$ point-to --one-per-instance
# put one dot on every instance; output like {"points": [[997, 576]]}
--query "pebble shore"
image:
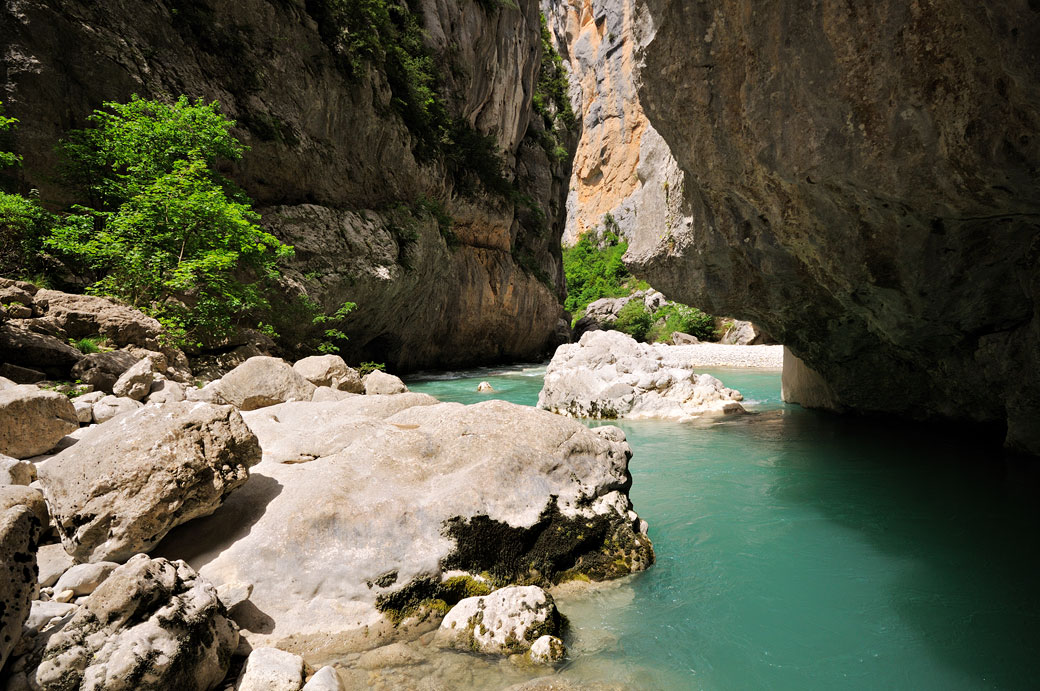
{"points": [[719, 355]]}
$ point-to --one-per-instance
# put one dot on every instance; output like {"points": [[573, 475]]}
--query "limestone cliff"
{"points": [[862, 180], [622, 166], [333, 167]]}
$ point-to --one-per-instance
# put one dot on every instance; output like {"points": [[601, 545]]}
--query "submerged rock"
{"points": [[607, 374], [153, 625], [506, 621], [128, 482], [485, 387], [394, 504]]}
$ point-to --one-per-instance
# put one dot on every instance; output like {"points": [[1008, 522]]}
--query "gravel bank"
{"points": [[719, 355]]}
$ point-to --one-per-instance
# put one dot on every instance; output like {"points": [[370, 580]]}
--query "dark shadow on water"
{"points": [[964, 515]]}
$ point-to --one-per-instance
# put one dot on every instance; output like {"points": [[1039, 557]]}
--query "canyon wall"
{"points": [[622, 166], [863, 181], [332, 166]]}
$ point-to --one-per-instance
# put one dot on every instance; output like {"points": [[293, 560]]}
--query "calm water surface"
{"points": [[799, 551]]}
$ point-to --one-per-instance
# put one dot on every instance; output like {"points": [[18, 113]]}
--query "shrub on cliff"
{"points": [[162, 229], [22, 220], [594, 270]]}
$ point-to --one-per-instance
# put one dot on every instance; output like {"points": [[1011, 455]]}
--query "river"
{"points": [[797, 550]]}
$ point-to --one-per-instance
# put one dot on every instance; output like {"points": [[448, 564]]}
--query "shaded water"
{"points": [[800, 551]]}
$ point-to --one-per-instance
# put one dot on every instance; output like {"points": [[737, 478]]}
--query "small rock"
{"points": [[136, 382], [329, 370], [325, 679], [547, 650], [84, 406], [63, 595], [381, 383], [504, 622], [485, 387], [113, 406], [53, 561], [102, 370], [232, 594], [15, 472], [679, 338], [19, 495], [32, 420], [83, 579], [271, 669], [42, 613], [165, 391]]}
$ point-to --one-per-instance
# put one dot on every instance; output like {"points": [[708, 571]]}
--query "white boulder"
{"points": [[608, 374], [271, 669], [330, 370], [113, 406], [262, 381], [379, 383], [325, 679], [547, 650], [126, 483], [507, 621], [15, 472]]}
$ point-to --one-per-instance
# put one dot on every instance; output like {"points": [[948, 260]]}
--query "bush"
{"points": [[677, 317], [165, 232], [634, 319], [594, 270]]}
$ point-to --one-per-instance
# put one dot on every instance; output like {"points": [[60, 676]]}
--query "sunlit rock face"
{"points": [[861, 181], [330, 163], [622, 166]]}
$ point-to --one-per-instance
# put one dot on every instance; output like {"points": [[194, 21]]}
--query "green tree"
{"points": [[163, 230], [22, 221], [594, 269]]}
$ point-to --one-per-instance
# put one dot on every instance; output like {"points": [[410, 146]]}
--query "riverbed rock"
{"points": [[91, 315], [83, 579], [380, 383], [165, 391], [153, 625], [43, 614], [128, 482], [262, 381], [12, 496], [84, 406], [19, 533], [744, 333], [136, 382], [271, 669], [607, 374], [390, 508], [507, 621], [325, 679], [32, 420], [16, 472], [109, 407], [330, 370], [102, 370], [53, 561], [485, 387], [548, 650]]}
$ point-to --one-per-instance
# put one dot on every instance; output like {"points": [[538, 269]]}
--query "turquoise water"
{"points": [[798, 550]]}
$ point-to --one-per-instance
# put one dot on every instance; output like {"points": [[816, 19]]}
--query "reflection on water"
{"points": [[796, 550]]}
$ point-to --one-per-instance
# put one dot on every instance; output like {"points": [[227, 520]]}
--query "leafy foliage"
{"points": [[634, 319], [369, 367], [165, 231], [7, 158], [594, 269], [550, 99], [677, 317], [332, 331], [22, 221]]}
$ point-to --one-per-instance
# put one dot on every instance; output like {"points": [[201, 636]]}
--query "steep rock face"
{"points": [[331, 165], [863, 183], [622, 166]]}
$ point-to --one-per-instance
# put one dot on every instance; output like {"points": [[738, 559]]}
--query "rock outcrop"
{"points": [[402, 509], [333, 167], [607, 374], [622, 167], [153, 625], [861, 181], [126, 483]]}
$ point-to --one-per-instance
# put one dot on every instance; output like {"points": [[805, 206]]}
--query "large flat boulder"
{"points": [[126, 483], [28, 349], [262, 381], [19, 533], [393, 511], [152, 625], [91, 315], [607, 374], [32, 420]]}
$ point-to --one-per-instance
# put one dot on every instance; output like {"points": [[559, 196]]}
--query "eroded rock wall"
{"points": [[622, 166], [862, 181], [331, 165]]}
